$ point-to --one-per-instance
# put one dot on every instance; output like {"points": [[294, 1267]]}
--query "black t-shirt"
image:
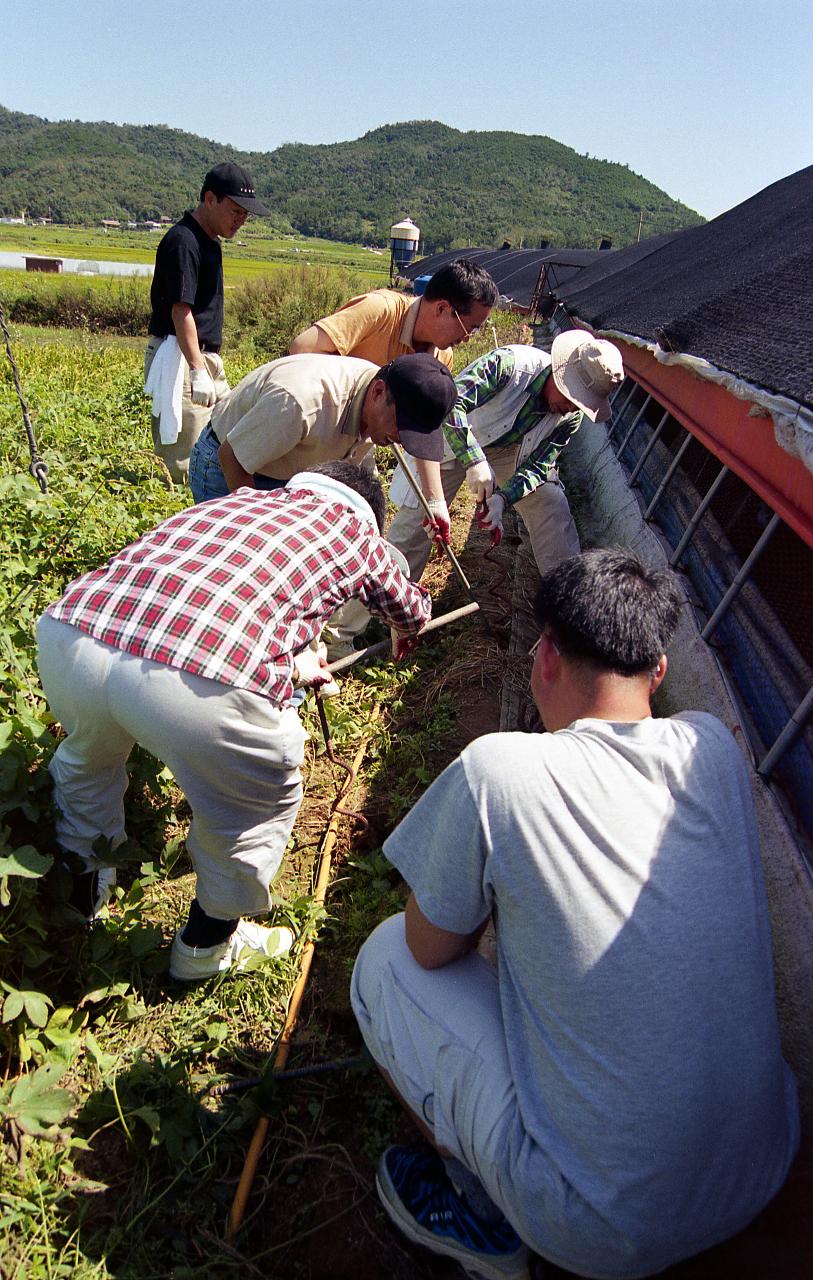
{"points": [[188, 268]]}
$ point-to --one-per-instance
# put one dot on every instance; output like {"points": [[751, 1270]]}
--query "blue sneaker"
{"points": [[417, 1195]]}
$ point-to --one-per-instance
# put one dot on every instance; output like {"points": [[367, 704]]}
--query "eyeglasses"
{"points": [[469, 333]]}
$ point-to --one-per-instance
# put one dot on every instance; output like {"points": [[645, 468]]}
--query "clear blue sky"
{"points": [[709, 99]]}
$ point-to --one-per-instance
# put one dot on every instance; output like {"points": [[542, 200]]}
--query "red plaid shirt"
{"points": [[232, 589]]}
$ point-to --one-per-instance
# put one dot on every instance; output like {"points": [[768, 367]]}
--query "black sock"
{"points": [[201, 930], [83, 892]]}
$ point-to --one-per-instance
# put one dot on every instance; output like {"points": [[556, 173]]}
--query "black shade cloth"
{"points": [[737, 291], [514, 271]]}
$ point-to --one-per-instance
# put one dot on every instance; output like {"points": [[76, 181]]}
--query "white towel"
{"points": [[401, 492], [164, 383]]}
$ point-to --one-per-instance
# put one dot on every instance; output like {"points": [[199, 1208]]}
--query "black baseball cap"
{"points": [[424, 393], [231, 180]]}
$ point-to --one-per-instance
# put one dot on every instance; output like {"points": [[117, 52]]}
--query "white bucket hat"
{"points": [[585, 369]]}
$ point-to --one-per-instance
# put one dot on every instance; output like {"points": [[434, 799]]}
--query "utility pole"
{"points": [[640, 224]]}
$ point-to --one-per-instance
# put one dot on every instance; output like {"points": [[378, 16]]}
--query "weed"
{"points": [[108, 305], [266, 314]]}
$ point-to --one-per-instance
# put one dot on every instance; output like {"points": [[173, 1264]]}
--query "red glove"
{"points": [[488, 516], [402, 645], [439, 528]]}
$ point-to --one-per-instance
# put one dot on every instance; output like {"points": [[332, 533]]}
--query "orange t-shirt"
{"points": [[377, 326]]}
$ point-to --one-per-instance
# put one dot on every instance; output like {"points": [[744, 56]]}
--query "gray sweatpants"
{"points": [[439, 1035], [234, 754]]}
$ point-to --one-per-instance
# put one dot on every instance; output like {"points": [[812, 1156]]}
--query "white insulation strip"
{"points": [[792, 422]]}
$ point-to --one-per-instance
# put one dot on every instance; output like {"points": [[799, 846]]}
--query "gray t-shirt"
{"points": [[634, 963]]}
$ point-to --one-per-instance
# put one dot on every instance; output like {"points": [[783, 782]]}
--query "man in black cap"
{"points": [[291, 413], [187, 305]]}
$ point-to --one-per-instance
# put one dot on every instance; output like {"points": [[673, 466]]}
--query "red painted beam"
{"points": [[722, 423]]}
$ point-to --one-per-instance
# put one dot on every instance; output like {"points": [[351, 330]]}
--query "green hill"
{"points": [[461, 188]]}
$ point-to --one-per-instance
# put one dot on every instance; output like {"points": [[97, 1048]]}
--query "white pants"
{"points": [[193, 416], [545, 514], [426, 1028], [439, 1035], [234, 754]]}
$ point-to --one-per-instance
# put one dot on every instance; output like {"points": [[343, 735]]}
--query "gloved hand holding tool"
{"points": [[445, 547], [439, 527], [489, 517], [480, 479], [310, 668], [203, 389], [402, 645]]}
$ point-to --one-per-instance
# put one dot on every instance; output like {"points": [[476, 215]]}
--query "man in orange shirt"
{"points": [[385, 323]]}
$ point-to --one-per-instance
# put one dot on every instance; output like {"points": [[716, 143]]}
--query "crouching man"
{"points": [[613, 1094], [190, 642], [516, 410]]}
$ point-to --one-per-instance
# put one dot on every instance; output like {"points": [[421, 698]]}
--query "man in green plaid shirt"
{"points": [[516, 409]]}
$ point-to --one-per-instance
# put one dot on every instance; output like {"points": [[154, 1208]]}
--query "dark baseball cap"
{"points": [[424, 393], [231, 180]]}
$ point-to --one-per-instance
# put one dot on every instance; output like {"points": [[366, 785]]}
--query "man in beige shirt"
{"points": [[292, 413]]}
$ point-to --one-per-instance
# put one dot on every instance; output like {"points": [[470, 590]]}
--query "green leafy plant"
{"points": [[34, 1103], [104, 1105]]}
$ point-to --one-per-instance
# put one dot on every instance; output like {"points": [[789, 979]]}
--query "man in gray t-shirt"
{"points": [[613, 1095]]}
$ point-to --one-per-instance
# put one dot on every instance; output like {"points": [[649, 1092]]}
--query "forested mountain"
{"points": [[461, 188]]}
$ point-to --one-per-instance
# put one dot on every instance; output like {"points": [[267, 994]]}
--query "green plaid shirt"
{"points": [[478, 384]]}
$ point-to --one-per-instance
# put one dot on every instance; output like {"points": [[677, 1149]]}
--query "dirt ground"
{"points": [[314, 1214]]}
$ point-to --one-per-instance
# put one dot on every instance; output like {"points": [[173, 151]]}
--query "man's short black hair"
{"points": [[607, 608], [364, 482], [462, 283]]}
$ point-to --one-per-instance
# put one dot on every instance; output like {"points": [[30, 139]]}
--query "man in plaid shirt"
{"points": [[190, 642], [516, 409]]}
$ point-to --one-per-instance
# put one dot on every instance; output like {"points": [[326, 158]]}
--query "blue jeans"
{"points": [[206, 478]]}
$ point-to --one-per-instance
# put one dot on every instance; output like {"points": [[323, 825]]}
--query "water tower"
{"points": [[404, 239]]}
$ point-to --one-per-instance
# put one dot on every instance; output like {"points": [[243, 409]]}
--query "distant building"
{"points": [[35, 263]]}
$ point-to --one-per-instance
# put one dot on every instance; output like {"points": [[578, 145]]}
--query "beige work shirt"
{"points": [[295, 412]]}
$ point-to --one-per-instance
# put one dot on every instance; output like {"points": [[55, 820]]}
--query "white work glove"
{"points": [[440, 528], [310, 668], [489, 517], [480, 479], [203, 389]]}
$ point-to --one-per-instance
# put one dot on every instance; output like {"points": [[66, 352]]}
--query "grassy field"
{"points": [[119, 1159], [253, 254]]}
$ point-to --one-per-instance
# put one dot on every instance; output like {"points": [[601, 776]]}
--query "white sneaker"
{"points": [[105, 884], [248, 942]]}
